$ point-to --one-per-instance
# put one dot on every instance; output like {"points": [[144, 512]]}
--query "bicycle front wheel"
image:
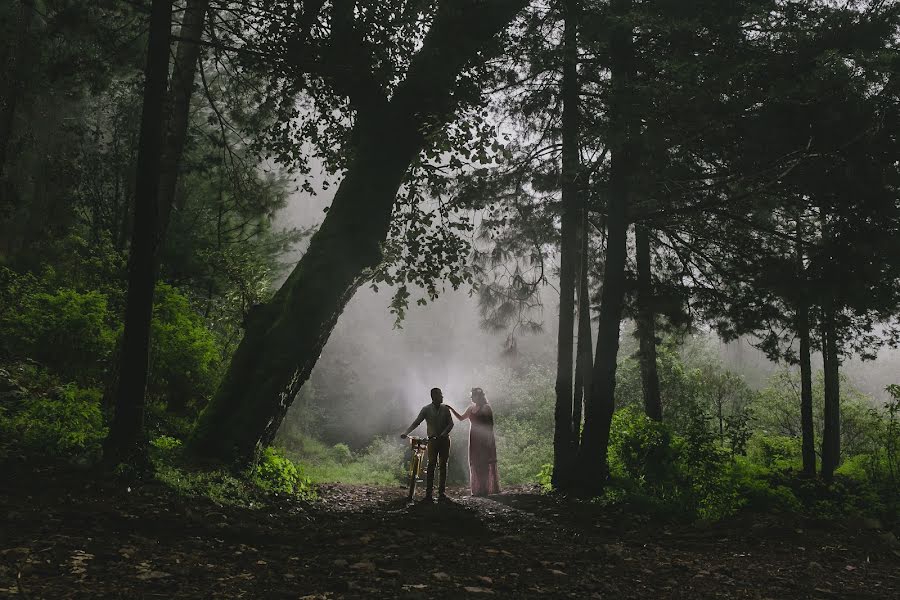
{"points": [[413, 475]]}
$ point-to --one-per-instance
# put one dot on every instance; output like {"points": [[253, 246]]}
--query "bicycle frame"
{"points": [[416, 463]]}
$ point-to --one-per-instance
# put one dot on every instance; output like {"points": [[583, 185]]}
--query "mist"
{"points": [[385, 369], [374, 374]]}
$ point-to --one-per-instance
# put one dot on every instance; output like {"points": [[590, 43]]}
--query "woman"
{"points": [[483, 476]]}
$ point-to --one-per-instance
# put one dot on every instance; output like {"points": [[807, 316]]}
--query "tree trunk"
{"points": [[174, 124], [568, 249], [808, 449], [177, 398], [13, 72], [184, 72], [720, 414], [646, 326], [831, 432], [806, 397], [599, 409], [125, 440], [284, 338], [584, 357]]}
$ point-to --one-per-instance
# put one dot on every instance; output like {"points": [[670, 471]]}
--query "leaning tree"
{"points": [[398, 72]]}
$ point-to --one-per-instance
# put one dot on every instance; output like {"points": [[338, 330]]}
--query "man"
{"points": [[439, 423]]}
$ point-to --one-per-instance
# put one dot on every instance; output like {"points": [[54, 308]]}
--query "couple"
{"points": [[483, 476]]}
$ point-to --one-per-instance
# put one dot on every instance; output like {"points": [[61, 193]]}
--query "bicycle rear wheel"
{"points": [[413, 476]]}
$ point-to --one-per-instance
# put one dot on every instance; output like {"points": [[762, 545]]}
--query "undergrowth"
{"points": [[380, 463], [274, 474], [656, 471]]}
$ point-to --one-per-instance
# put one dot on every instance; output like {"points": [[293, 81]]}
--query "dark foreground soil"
{"points": [[61, 537]]}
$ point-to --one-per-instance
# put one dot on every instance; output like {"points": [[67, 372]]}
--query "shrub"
{"points": [[73, 334], [844, 496], [702, 466], [859, 467], [684, 474], [774, 451], [184, 364], [777, 411], [522, 449], [341, 453], [165, 448], [523, 410], [276, 473], [738, 431], [760, 495], [273, 474], [881, 462], [220, 486], [545, 477], [380, 463], [383, 458], [68, 331], [755, 489], [640, 448], [63, 423]]}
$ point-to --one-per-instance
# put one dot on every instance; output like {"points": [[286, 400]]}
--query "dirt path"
{"points": [[103, 541]]}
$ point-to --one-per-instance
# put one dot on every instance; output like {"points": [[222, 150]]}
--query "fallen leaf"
{"points": [[363, 565], [152, 575]]}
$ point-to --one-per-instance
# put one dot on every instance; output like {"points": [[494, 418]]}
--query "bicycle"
{"points": [[418, 446]]}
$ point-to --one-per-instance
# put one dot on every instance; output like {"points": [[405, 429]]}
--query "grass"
{"points": [[381, 463], [275, 474]]}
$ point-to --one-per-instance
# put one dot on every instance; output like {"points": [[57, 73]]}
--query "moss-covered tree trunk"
{"points": [[284, 338], [563, 451], [124, 442], [646, 326], [593, 470]]}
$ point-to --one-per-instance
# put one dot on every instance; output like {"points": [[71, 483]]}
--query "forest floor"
{"points": [[67, 536]]}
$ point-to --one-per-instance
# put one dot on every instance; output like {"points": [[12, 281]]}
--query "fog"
{"points": [[373, 377], [384, 373], [868, 376]]}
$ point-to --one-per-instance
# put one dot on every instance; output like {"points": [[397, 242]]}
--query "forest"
{"points": [[241, 241]]}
